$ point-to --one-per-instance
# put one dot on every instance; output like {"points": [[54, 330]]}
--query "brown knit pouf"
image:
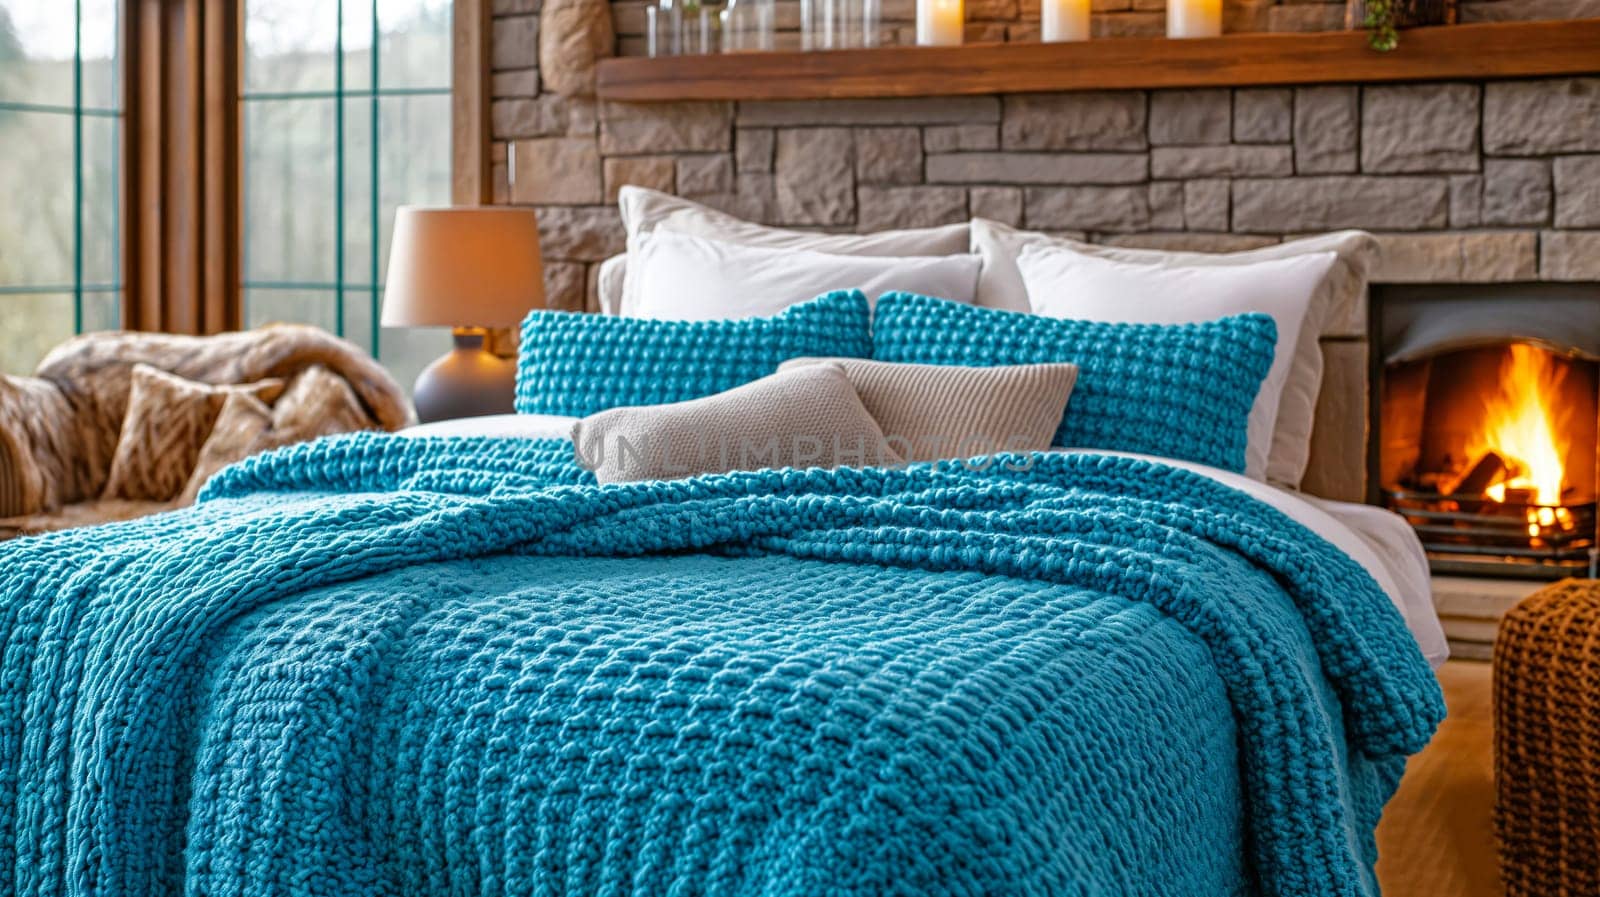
{"points": [[1547, 742]]}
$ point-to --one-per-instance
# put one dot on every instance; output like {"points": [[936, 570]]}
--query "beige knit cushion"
{"points": [[931, 411], [809, 417], [167, 421], [241, 430], [318, 403]]}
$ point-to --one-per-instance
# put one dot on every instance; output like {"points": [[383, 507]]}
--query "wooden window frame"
{"points": [[471, 169], [180, 154]]}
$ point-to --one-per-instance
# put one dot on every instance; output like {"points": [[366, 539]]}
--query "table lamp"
{"points": [[474, 270]]}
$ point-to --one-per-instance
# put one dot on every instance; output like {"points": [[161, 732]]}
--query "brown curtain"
{"points": [[180, 199]]}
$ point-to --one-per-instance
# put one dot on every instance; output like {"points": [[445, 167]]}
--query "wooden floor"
{"points": [[1437, 834]]}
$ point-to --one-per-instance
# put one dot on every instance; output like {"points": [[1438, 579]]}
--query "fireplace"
{"points": [[1487, 402]]}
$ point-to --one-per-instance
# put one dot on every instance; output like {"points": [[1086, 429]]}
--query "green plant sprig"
{"points": [[1381, 32]]}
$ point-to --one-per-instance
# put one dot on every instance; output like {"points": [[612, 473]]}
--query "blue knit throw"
{"points": [[576, 364], [385, 666], [1173, 390]]}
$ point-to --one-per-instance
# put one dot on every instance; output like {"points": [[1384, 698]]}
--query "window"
{"points": [[334, 137], [60, 123], [343, 114]]}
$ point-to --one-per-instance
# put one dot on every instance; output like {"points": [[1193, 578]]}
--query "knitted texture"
{"points": [[578, 364], [383, 666], [1175, 390]]}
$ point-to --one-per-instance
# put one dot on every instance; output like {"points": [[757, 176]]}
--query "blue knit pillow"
{"points": [[1175, 390], [578, 364]]}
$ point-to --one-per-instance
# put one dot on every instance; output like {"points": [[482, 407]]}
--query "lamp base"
{"points": [[469, 381]]}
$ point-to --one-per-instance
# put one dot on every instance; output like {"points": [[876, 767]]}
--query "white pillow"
{"points": [[1342, 295], [613, 274], [1064, 283], [646, 212], [676, 277]]}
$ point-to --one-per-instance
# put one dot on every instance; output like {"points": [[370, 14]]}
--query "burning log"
{"points": [[1489, 469]]}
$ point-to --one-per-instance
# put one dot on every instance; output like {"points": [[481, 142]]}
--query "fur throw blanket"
{"points": [[59, 428]]}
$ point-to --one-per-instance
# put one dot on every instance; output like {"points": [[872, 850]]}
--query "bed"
{"points": [[382, 665], [462, 660]]}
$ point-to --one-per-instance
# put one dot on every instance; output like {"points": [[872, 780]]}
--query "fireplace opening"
{"points": [[1487, 428]]}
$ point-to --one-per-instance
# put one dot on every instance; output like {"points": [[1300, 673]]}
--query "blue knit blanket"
{"points": [[380, 666]]}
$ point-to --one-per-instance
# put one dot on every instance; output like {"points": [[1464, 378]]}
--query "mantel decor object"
{"points": [[683, 28], [1383, 19], [476, 270], [1194, 18], [940, 23], [749, 26], [662, 30], [839, 24], [871, 22], [1064, 20]]}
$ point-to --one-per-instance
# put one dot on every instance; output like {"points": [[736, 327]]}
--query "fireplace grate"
{"points": [[1480, 536]]}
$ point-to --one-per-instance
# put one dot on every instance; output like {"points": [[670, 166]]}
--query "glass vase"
{"points": [[749, 26], [702, 29], [871, 22], [840, 24], [667, 30]]}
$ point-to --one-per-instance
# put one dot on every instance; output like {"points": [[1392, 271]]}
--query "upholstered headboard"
{"points": [[1338, 467]]}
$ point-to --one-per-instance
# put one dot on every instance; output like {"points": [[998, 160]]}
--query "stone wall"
{"points": [[1462, 181]]}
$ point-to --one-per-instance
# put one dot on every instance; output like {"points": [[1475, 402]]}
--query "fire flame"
{"points": [[1521, 425]]}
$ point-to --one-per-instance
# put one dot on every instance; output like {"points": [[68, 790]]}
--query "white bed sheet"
{"points": [[514, 426], [1379, 540]]}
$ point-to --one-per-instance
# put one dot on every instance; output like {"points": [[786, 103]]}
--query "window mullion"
{"points": [[77, 166], [339, 169], [376, 297]]}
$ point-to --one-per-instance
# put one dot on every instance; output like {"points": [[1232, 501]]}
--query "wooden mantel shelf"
{"points": [[1498, 50]]}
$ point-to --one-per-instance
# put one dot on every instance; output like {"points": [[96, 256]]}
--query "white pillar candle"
{"points": [[1194, 18], [1064, 20], [940, 23]]}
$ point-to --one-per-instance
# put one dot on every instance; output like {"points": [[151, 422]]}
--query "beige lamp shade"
{"points": [[463, 267]]}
